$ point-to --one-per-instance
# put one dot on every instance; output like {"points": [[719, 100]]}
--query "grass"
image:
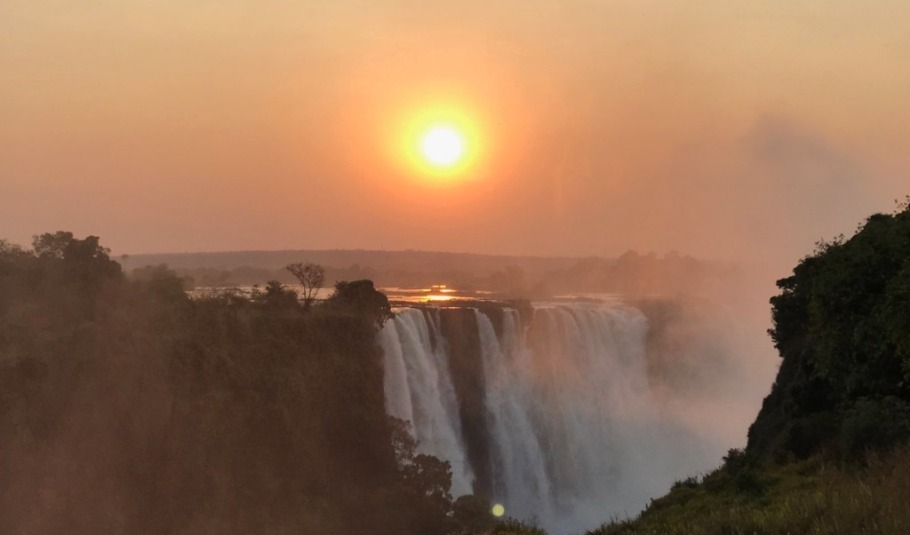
{"points": [[808, 497], [507, 527]]}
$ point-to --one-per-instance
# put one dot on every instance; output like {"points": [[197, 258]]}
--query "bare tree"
{"points": [[311, 277]]}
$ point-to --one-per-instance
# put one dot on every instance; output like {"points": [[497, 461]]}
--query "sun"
{"points": [[442, 146]]}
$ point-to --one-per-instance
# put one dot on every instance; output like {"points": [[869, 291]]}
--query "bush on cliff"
{"points": [[826, 453], [842, 326]]}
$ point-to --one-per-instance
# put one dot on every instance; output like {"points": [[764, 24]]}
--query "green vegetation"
{"points": [[801, 497], [126, 407], [827, 452], [842, 326]]}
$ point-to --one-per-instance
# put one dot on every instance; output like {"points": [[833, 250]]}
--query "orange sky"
{"points": [[737, 130]]}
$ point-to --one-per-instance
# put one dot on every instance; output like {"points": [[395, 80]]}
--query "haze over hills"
{"points": [[423, 260], [528, 276]]}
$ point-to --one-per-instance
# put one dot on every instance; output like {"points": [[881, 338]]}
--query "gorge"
{"points": [[552, 410]]}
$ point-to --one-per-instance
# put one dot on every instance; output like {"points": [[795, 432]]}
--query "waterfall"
{"points": [[566, 432], [418, 389], [518, 463]]}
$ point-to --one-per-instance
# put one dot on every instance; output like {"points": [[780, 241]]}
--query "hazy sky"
{"points": [[728, 129]]}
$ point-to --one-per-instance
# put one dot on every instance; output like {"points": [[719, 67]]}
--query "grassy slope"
{"points": [[799, 498]]}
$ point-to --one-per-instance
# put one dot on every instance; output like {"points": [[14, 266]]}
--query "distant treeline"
{"points": [[126, 407], [535, 277]]}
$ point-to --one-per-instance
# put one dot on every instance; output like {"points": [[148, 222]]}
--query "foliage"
{"points": [[842, 326], [360, 297], [274, 295], [311, 277], [825, 453], [126, 407], [473, 514], [874, 424], [161, 281], [505, 527], [805, 497]]}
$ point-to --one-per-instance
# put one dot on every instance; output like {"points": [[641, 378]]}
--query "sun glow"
{"points": [[441, 145]]}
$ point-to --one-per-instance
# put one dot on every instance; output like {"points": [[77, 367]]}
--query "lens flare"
{"points": [[498, 510]]}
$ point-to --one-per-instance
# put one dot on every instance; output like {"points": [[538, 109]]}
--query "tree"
{"points": [[431, 478], [63, 245], [277, 295], [311, 277], [841, 324], [403, 442], [361, 297], [426, 479], [10, 254], [84, 264], [472, 514], [161, 281]]}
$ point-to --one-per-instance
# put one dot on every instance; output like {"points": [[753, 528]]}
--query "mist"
{"points": [[674, 157]]}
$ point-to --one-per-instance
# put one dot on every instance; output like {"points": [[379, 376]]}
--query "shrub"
{"points": [[874, 424]]}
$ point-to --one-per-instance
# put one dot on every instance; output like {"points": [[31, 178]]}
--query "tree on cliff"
{"points": [[842, 327], [426, 481], [311, 277], [361, 297]]}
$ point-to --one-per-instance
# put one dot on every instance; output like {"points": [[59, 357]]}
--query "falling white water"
{"points": [[418, 389], [592, 410], [519, 468], [571, 427]]}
